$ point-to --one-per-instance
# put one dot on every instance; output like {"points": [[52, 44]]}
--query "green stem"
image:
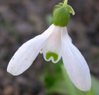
{"points": [[65, 3]]}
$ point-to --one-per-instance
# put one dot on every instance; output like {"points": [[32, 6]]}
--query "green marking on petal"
{"points": [[51, 54], [48, 55], [55, 56]]}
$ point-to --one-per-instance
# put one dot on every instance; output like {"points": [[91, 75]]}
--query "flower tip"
{"points": [[88, 89], [11, 71], [85, 87]]}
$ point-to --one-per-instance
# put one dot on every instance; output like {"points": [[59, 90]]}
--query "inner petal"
{"points": [[52, 47]]}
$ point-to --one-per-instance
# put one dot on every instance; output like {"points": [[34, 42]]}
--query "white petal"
{"points": [[27, 53], [75, 64], [53, 44]]}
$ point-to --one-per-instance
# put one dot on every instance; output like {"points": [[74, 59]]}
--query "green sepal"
{"points": [[63, 1], [70, 9], [57, 6], [61, 4], [61, 17]]}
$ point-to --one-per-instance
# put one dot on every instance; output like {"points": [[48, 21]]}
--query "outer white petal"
{"points": [[53, 44], [27, 53], [75, 64]]}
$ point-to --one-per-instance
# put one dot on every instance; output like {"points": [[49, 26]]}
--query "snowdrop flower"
{"points": [[54, 43]]}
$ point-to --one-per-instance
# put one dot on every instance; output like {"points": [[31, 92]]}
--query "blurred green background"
{"points": [[21, 20]]}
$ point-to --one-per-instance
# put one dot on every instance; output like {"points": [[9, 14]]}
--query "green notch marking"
{"points": [[51, 54]]}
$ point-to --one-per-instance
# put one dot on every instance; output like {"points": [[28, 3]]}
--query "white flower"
{"points": [[54, 43]]}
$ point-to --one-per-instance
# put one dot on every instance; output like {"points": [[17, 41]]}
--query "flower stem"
{"points": [[65, 3]]}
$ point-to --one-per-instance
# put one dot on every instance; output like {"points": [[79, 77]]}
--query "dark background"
{"points": [[21, 20]]}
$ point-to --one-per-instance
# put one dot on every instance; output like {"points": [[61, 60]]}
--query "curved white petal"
{"points": [[27, 53], [53, 45], [75, 64]]}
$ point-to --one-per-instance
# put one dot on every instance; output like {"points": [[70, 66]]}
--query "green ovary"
{"points": [[51, 54], [61, 17]]}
